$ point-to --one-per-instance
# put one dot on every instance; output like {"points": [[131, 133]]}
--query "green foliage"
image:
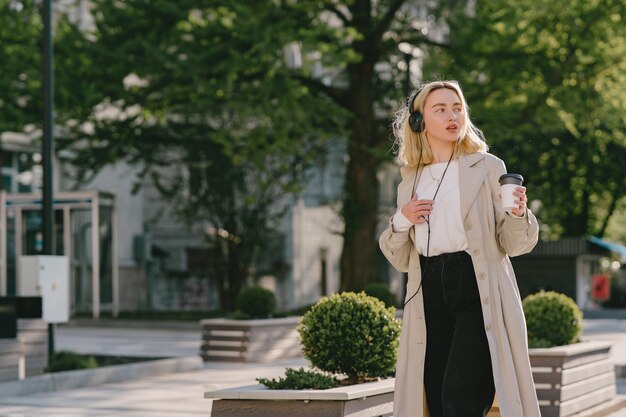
{"points": [[352, 334], [539, 343], [69, 361], [381, 291], [552, 319], [256, 302], [252, 90], [542, 76], [21, 102], [201, 97], [616, 228], [300, 379]]}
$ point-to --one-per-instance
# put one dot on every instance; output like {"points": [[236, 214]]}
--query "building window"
{"points": [[21, 171]]}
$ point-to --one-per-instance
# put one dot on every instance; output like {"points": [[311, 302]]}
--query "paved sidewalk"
{"points": [[175, 395], [148, 342], [610, 330]]}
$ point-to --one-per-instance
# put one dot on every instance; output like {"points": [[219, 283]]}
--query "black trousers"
{"points": [[458, 377]]}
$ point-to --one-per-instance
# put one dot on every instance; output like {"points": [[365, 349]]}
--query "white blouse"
{"points": [[446, 225]]}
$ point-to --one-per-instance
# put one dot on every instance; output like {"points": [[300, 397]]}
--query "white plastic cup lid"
{"points": [[511, 178]]}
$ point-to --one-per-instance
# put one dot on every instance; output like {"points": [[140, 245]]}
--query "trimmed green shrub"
{"points": [[300, 379], [256, 302], [552, 319], [69, 361], [539, 343], [351, 334], [381, 291]]}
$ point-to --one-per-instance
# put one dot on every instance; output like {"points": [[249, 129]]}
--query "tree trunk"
{"points": [[605, 222], [360, 210], [236, 274], [230, 275], [358, 258]]}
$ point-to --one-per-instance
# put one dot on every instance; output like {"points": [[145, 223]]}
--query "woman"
{"points": [[463, 333]]}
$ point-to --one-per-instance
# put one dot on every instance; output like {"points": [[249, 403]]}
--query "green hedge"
{"points": [[552, 319], [69, 361], [351, 334], [256, 303], [300, 379]]}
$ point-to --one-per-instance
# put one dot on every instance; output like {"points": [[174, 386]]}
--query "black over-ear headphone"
{"points": [[416, 119]]}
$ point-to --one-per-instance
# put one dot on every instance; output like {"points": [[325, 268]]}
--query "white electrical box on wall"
{"points": [[47, 277]]}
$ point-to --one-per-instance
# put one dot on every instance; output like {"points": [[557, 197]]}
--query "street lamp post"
{"points": [[48, 144]]}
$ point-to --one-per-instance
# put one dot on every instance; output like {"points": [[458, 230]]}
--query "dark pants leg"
{"points": [[457, 375]]}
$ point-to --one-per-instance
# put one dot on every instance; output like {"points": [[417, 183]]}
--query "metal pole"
{"points": [[48, 148], [95, 256], [114, 265], [3, 242]]}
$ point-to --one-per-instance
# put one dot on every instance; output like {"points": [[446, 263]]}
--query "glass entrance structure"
{"points": [[92, 251]]}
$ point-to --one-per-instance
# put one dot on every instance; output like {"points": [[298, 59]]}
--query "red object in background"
{"points": [[600, 287]]}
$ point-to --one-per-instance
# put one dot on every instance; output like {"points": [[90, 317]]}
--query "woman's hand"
{"points": [[520, 193], [416, 210]]}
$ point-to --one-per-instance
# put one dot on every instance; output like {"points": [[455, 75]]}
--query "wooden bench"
{"points": [[249, 340]]}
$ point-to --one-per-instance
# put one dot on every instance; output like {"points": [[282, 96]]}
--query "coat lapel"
{"points": [[471, 176]]}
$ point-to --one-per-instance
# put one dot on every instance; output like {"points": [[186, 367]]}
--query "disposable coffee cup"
{"points": [[508, 183]]}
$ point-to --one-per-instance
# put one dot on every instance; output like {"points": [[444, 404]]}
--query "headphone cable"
{"points": [[427, 218]]}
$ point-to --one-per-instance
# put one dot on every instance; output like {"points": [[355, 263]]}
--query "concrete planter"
{"points": [[27, 354], [363, 400], [10, 354], [249, 340], [33, 333], [573, 378]]}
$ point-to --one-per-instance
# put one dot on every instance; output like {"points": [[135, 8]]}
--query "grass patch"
{"points": [[70, 361]]}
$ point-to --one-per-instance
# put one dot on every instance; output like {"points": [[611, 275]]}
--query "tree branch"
{"points": [[339, 96], [385, 21], [341, 15], [605, 222], [419, 39]]}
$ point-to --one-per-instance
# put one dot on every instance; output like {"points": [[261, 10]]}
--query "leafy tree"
{"points": [[20, 72], [356, 42], [545, 81], [217, 70], [194, 94], [20, 55]]}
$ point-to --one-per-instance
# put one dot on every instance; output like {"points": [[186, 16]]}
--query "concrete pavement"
{"points": [[610, 330], [149, 341], [173, 395], [180, 394]]}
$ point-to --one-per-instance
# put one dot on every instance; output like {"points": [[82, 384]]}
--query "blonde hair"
{"points": [[410, 145]]}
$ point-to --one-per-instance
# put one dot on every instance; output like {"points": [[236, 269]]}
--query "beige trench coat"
{"points": [[491, 235]]}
